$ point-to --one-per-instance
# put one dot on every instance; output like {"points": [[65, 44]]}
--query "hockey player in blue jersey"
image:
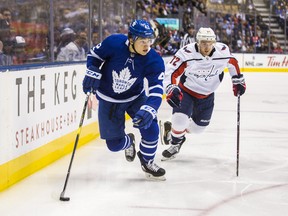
{"points": [[116, 69]]}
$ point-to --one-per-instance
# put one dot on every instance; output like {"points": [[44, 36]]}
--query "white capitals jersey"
{"points": [[200, 75]]}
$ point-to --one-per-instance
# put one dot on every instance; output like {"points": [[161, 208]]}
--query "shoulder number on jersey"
{"points": [[174, 60], [161, 76]]}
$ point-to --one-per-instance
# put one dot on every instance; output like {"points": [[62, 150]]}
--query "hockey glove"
{"points": [[239, 85], [144, 117], [91, 80], [173, 95]]}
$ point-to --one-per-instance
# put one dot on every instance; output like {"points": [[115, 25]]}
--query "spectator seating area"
{"points": [[234, 25]]}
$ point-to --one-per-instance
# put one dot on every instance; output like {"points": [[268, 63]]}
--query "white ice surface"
{"points": [[201, 181]]}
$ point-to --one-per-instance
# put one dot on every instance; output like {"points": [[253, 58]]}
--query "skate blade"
{"points": [[166, 159], [155, 178], [161, 129]]}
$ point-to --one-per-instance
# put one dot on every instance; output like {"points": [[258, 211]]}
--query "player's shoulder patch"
{"points": [[221, 46], [185, 48]]}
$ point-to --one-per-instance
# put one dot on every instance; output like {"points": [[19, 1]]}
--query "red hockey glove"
{"points": [[174, 95], [239, 85]]}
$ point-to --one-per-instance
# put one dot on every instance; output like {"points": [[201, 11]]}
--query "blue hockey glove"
{"points": [[239, 85], [174, 95], [91, 80], [144, 117]]}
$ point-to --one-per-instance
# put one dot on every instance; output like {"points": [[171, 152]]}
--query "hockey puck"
{"points": [[64, 199]]}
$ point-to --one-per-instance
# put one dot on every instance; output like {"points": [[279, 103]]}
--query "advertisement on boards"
{"points": [[40, 105]]}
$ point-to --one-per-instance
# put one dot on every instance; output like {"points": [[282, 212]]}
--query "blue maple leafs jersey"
{"points": [[123, 72]]}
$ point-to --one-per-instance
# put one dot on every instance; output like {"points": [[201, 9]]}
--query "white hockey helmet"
{"points": [[206, 34]]}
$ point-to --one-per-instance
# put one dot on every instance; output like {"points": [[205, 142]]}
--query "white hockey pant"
{"points": [[181, 124]]}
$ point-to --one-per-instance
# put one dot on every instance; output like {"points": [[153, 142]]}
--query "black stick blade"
{"points": [[64, 199]]}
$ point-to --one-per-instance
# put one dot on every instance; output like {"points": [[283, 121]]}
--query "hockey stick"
{"points": [[62, 197], [238, 132]]}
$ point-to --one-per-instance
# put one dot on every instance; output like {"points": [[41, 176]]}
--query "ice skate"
{"points": [[151, 169], [130, 152], [165, 132], [170, 153]]}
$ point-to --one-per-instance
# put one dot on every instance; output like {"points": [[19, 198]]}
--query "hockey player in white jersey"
{"points": [[191, 78], [116, 69]]}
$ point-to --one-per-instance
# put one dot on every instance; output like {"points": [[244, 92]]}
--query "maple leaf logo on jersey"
{"points": [[122, 82]]}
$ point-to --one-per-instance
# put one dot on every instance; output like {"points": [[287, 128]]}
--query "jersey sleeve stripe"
{"points": [[93, 54], [234, 62], [155, 95], [156, 86]]}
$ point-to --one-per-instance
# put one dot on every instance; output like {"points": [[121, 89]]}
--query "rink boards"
{"points": [[41, 110]]}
